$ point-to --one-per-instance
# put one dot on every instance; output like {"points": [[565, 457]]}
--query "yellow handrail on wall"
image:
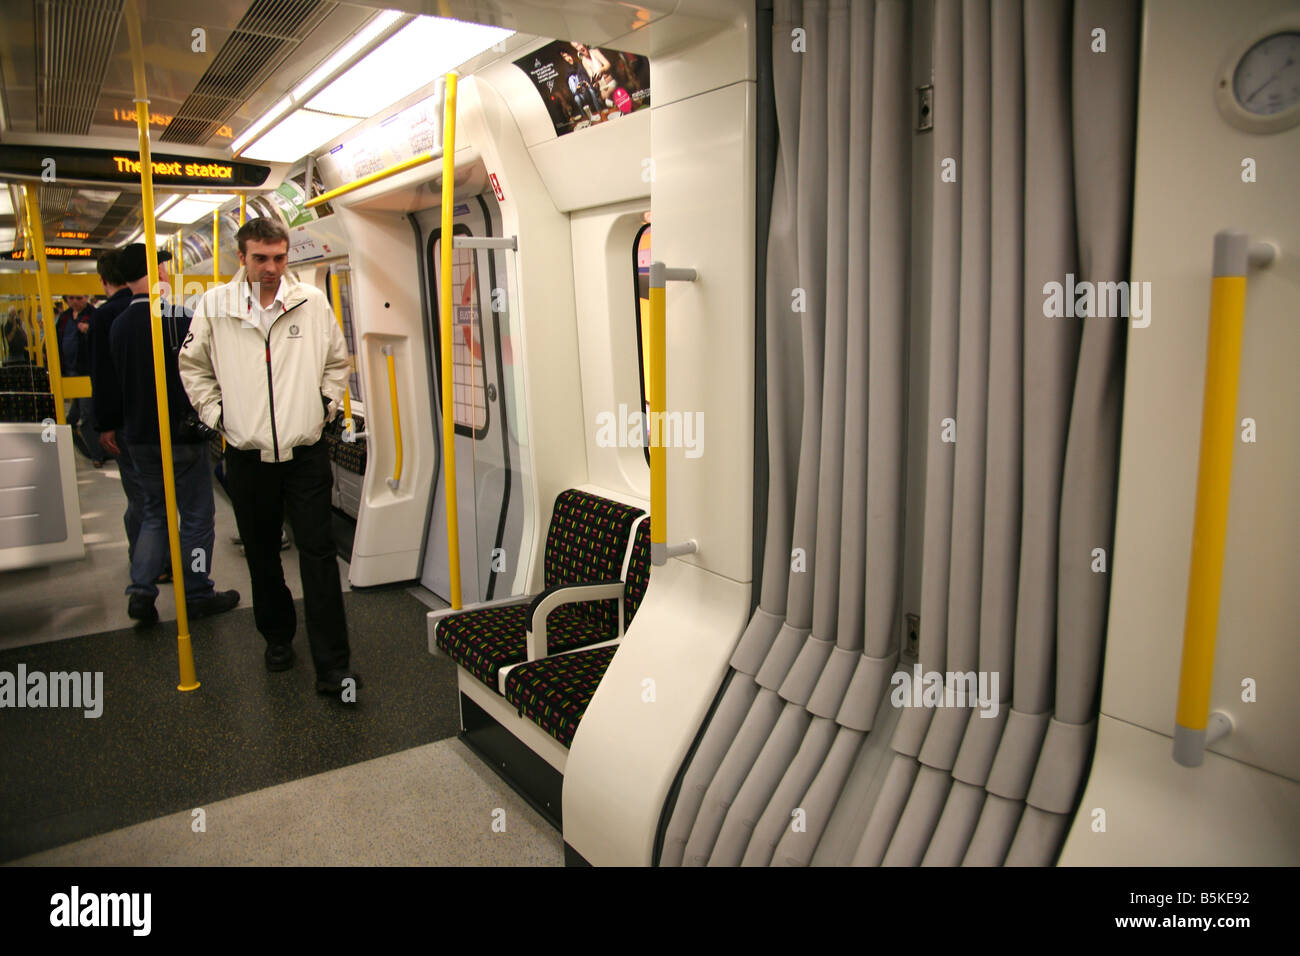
{"points": [[660, 550], [396, 480], [1195, 727]]}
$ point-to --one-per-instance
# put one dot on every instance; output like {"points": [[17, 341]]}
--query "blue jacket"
{"points": [[105, 389]]}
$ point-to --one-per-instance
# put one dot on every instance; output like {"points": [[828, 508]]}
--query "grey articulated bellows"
{"points": [[1104, 91], [1001, 531], [797, 684], [1021, 424]]}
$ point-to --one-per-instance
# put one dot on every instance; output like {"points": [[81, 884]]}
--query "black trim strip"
{"points": [[502, 406]]}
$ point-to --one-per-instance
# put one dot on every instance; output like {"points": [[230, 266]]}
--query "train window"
{"points": [[641, 282], [469, 385], [349, 333]]}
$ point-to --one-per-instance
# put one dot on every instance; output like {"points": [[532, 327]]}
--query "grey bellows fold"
{"points": [[1021, 422]]}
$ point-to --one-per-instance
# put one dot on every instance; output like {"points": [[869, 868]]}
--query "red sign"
{"points": [[622, 100], [496, 186]]}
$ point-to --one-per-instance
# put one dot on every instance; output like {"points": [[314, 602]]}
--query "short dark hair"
{"points": [[263, 230], [109, 268]]}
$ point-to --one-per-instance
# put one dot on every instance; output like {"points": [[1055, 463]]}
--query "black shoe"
{"points": [[140, 608], [279, 657], [331, 682], [218, 603]]}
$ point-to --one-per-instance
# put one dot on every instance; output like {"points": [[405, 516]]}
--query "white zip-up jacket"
{"points": [[265, 391]]}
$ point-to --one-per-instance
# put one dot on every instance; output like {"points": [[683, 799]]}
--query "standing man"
{"points": [[131, 342], [266, 365], [106, 391]]}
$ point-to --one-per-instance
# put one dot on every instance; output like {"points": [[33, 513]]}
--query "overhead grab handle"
{"points": [[394, 481], [1195, 727], [660, 550]]}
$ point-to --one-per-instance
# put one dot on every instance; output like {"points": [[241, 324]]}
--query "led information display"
{"points": [[56, 164]]}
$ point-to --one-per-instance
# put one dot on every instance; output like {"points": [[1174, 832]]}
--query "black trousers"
{"points": [[263, 493]]}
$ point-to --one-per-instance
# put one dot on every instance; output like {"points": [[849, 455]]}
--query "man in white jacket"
{"points": [[266, 365]]}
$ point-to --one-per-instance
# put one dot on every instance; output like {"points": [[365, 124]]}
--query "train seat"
{"points": [[350, 456], [26, 406], [554, 692], [595, 572], [24, 378], [25, 394]]}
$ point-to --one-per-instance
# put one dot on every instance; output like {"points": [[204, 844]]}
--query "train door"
{"points": [[489, 427]]}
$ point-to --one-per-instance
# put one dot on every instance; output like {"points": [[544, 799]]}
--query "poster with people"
{"points": [[583, 85]]}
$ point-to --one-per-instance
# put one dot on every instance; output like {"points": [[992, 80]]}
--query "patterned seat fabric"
{"points": [[24, 378], [586, 543], [26, 406], [554, 692], [486, 640], [349, 455]]}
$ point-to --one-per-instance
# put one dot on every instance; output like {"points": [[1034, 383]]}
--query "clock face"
{"points": [[1267, 79]]}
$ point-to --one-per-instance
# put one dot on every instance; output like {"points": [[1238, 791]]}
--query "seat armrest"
{"points": [[551, 598], [434, 617]]}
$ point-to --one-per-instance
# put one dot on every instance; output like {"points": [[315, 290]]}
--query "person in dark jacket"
{"points": [[106, 392], [131, 343], [74, 348], [78, 309]]}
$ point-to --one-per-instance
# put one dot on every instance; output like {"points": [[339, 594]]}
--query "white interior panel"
{"points": [[1186, 149]]}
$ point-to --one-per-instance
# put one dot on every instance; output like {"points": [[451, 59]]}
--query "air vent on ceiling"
{"points": [[74, 41], [264, 37], [54, 204]]}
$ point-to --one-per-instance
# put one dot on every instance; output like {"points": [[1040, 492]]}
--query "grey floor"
{"points": [[434, 804], [88, 596]]}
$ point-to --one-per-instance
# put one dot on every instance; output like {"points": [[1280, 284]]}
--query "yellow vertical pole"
{"points": [[189, 680], [243, 207], [35, 340], [348, 424], [445, 306], [36, 231], [216, 246]]}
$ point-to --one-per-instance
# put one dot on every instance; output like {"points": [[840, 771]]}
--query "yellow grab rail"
{"points": [[36, 232], [1195, 727], [216, 246], [396, 480], [185, 651], [448, 318], [660, 549], [393, 170], [349, 426]]}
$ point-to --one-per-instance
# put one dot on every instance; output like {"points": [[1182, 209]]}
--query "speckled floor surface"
{"points": [[87, 596], [156, 751], [435, 805]]}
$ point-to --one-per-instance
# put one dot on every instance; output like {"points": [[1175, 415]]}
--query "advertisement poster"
{"points": [[583, 85]]}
